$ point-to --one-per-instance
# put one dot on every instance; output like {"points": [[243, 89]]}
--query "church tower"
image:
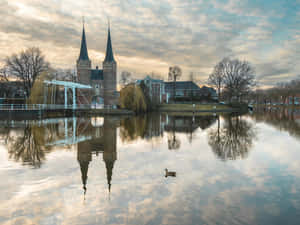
{"points": [[83, 62], [109, 74]]}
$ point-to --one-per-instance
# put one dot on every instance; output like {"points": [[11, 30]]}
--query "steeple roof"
{"points": [[84, 167], [109, 57], [109, 170], [83, 49]]}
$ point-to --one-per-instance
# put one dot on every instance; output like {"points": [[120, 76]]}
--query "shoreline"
{"points": [[199, 108], [45, 114]]}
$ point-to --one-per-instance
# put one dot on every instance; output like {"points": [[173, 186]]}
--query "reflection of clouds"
{"points": [[206, 190]]}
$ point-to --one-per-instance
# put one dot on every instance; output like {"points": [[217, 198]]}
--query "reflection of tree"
{"points": [[283, 118], [233, 140], [145, 126], [133, 128], [173, 141], [29, 147], [153, 125]]}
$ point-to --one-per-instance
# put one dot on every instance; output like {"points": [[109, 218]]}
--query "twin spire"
{"points": [[83, 49], [109, 57]]}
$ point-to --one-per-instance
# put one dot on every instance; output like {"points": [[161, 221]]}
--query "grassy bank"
{"points": [[197, 108]]}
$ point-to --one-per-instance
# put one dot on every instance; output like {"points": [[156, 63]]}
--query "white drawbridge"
{"points": [[67, 85]]}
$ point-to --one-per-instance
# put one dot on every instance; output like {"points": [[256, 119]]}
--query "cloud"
{"points": [[192, 34]]}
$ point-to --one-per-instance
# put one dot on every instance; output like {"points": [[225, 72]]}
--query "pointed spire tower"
{"points": [[83, 61], [110, 74], [83, 49], [109, 57]]}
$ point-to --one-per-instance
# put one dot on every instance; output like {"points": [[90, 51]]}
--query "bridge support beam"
{"points": [[74, 97], [66, 97]]}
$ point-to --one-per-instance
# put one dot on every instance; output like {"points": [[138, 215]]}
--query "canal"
{"points": [[221, 169]]}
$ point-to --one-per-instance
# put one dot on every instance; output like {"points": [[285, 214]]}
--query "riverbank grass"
{"points": [[195, 107]]}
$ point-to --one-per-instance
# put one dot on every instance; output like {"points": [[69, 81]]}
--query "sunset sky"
{"points": [[150, 35]]}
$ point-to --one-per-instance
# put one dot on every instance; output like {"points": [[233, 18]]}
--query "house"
{"points": [[162, 92], [187, 90], [156, 89]]}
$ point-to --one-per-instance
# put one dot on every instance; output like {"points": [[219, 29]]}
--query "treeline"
{"points": [[285, 93]]}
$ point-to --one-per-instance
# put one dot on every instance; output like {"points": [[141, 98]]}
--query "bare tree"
{"points": [[27, 66], [64, 74], [125, 77], [174, 74], [4, 74], [216, 78], [239, 78]]}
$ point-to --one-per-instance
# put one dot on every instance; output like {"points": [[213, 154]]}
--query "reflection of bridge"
{"points": [[74, 138], [73, 128]]}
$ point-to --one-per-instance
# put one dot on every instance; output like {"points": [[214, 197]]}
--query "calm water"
{"points": [[229, 170]]}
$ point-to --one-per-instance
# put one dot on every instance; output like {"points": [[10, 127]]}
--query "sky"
{"points": [[149, 36]]}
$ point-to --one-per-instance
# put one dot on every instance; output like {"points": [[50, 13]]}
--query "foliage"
{"points": [[132, 128], [27, 66], [150, 104], [38, 89], [132, 98]]}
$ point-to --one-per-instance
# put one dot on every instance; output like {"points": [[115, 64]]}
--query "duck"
{"points": [[170, 173]]}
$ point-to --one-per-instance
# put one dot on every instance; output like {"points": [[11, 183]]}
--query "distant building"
{"points": [[156, 89], [12, 89], [188, 89], [162, 92], [293, 100], [103, 80]]}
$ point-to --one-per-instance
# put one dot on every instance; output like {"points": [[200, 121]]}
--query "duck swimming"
{"points": [[170, 173]]}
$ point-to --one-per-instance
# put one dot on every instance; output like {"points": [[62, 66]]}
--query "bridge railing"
{"points": [[15, 107]]}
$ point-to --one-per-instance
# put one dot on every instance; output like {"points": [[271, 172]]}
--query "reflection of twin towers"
{"points": [[104, 142]]}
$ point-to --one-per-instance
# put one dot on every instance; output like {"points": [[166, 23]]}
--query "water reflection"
{"points": [[233, 139], [104, 142], [72, 153], [28, 143], [185, 124], [287, 119], [155, 125]]}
